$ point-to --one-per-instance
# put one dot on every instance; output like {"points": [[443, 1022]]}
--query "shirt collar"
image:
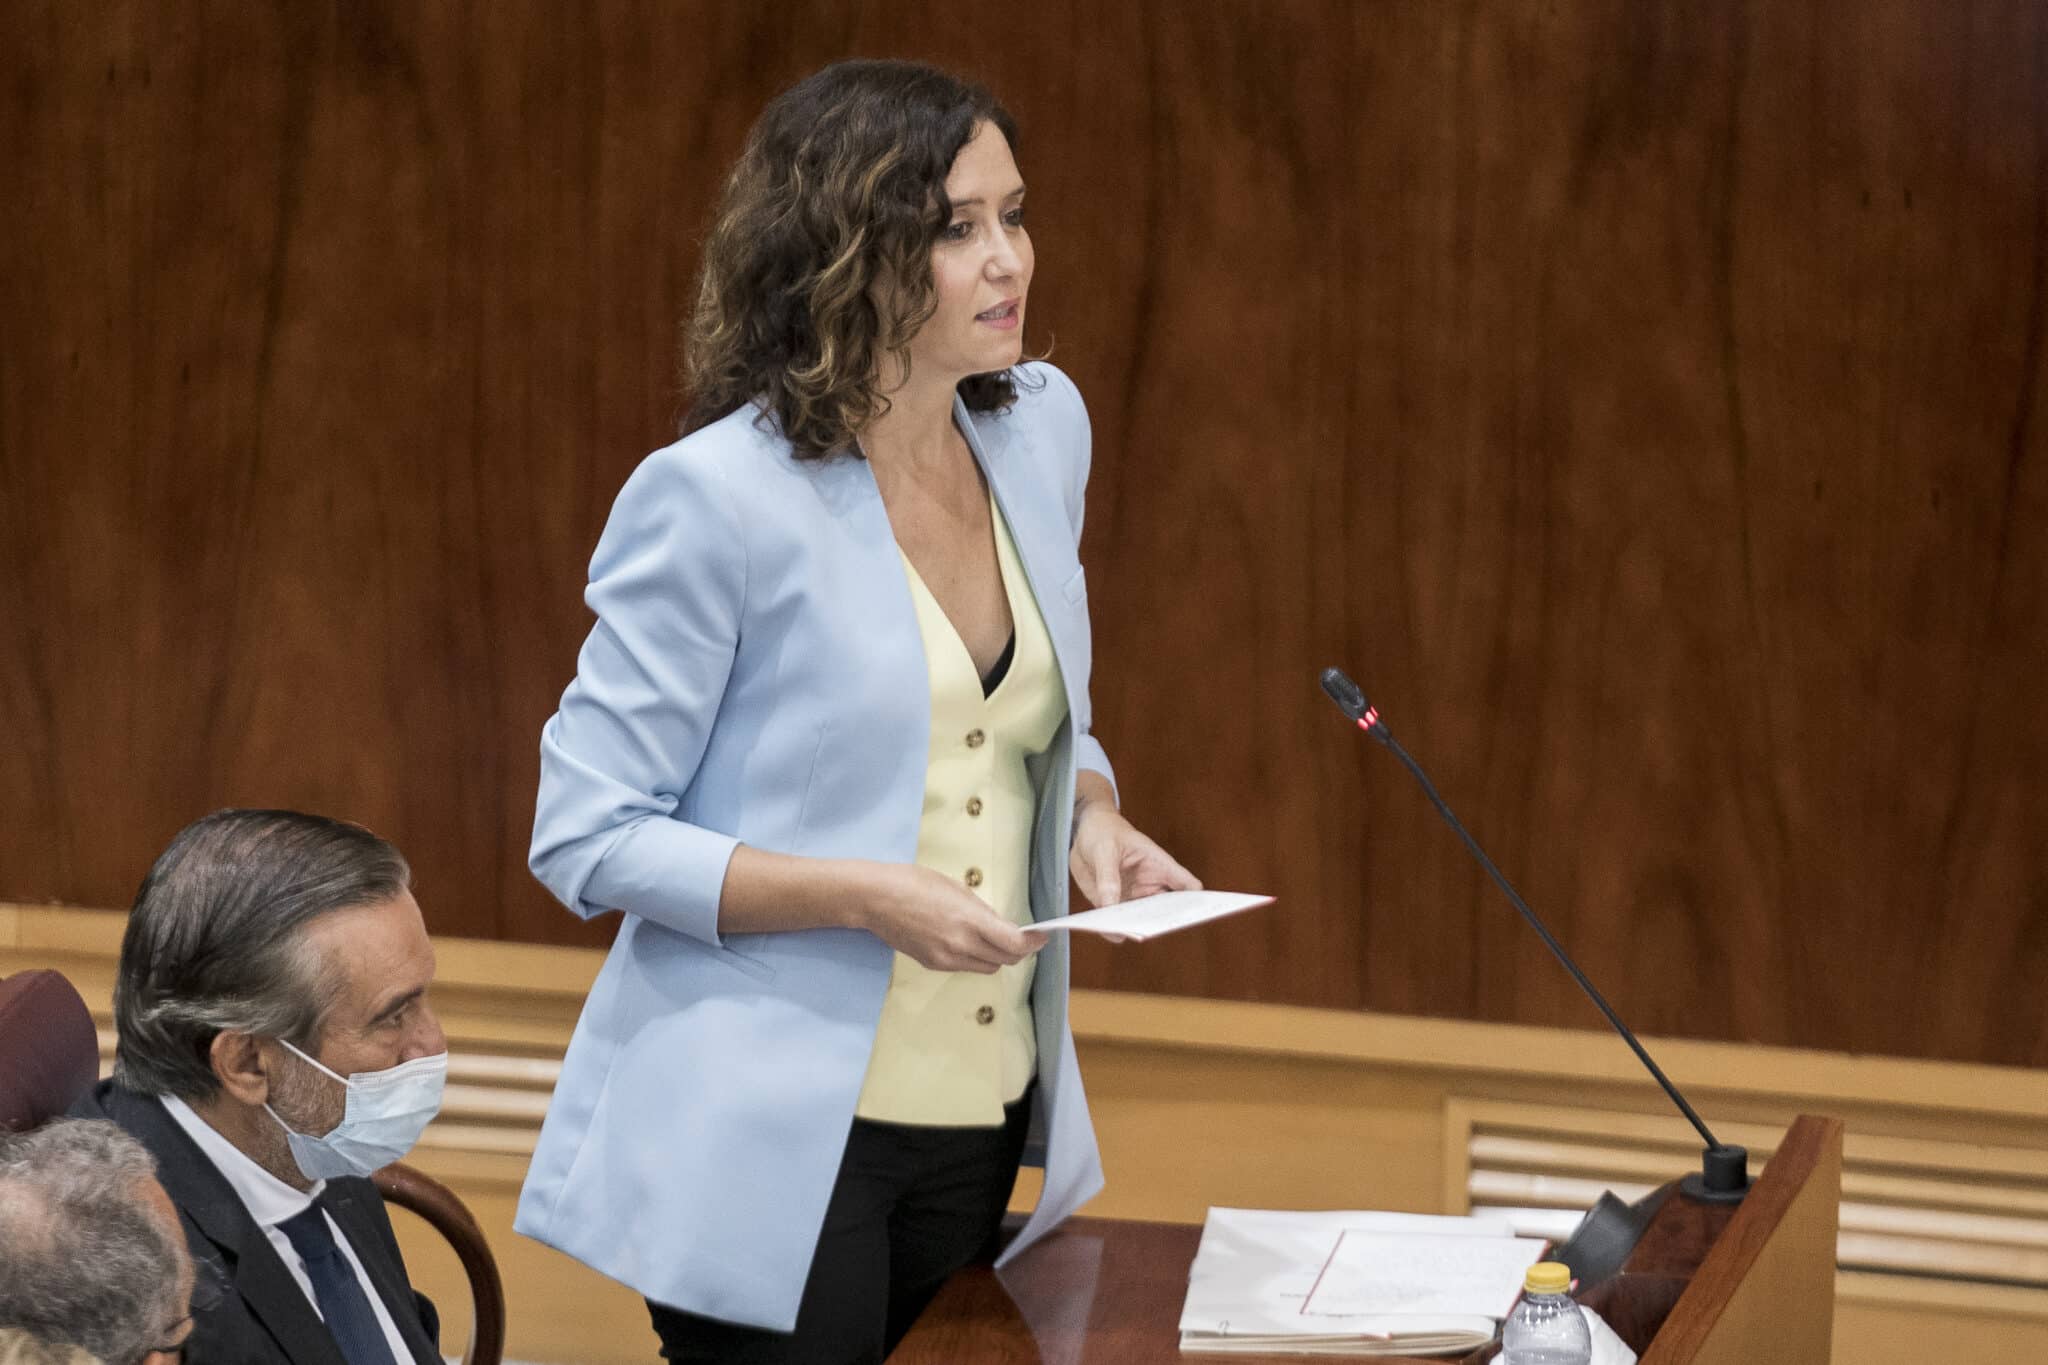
{"points": [[269, 1200]]}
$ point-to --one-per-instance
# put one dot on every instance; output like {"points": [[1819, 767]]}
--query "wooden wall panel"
{"points": [[1639, 399]]}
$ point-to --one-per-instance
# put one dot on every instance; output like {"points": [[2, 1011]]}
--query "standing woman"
{"points": [[828, 749]]}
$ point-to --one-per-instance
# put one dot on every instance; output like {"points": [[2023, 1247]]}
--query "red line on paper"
{"points": [[1330, 1260]]}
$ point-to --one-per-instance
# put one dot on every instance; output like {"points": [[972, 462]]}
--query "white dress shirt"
{"points": [[270, 1202]]}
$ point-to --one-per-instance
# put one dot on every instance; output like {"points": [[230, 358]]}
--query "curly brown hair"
{"points": [[834, 204]]}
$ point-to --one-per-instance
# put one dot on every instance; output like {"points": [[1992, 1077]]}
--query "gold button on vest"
{"points": [[952, 1048]]}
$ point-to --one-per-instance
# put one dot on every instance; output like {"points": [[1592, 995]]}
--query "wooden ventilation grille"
{"points": [[1910, 1206]]}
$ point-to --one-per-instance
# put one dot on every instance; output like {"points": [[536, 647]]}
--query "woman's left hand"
{"points": [[1113, 862]]}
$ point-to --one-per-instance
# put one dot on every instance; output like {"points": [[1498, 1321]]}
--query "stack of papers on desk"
{"points": [[1355, 1284]]}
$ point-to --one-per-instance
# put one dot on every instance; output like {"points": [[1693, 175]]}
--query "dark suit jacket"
{"points": [[265, 1318]]}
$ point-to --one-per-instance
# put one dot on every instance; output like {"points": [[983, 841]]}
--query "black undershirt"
{"points": [[993, 679]]}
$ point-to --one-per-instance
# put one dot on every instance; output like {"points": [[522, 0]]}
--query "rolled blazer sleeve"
{"points": [[1088, 751], [668, 584]]}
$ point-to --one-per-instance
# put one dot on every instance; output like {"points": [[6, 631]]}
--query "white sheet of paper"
{"points": [[1375, 1272], [1608, 1349], [1255, 1267], [1151, 916]]}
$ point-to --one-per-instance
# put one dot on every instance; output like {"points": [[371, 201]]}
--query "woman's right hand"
{"points": [[939, 923]]}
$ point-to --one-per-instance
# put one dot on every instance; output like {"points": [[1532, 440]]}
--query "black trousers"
{"points": [[911, 1206]]}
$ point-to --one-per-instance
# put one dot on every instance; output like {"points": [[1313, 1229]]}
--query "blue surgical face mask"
{"points": [[385, 1115]]}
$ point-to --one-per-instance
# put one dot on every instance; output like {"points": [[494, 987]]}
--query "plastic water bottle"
{"points": [[1546, 1327]]}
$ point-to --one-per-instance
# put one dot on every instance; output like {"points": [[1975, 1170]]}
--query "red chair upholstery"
{"points": [[49, 1049]]}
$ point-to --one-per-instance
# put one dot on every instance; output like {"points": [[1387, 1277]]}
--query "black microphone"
{"points": [[1724, 1169]]}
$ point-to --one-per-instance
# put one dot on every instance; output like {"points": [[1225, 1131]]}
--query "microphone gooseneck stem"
{"points": [[1378, 730]]}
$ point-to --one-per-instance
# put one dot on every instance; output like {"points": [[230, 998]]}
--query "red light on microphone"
{"points": [[1370, 718]]}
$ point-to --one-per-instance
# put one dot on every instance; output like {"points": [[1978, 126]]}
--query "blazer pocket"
{"points": [[741, 960], [662, 952], [1076, 586], [803, 810]]}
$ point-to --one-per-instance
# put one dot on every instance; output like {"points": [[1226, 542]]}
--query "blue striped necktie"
{"points": [[336, 1289]]}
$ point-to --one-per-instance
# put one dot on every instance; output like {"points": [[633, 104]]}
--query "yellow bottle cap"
{"points": [[1548, 1277]]}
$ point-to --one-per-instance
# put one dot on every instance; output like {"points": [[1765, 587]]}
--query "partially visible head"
{"points": [[829, 255], [260, 928], [18, 1347], [91, 1252]]}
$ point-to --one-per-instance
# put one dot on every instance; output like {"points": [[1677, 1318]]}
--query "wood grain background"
{"points": [[1639, 399]]}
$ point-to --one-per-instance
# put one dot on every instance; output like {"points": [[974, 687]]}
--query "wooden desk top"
{"points": [[1096, 1291], [1099, 1292]]}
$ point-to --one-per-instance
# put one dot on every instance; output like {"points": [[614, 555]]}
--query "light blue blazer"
{"points": [[756, 675]]}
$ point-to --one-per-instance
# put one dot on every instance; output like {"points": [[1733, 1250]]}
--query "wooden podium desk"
{"points": [[1708, 1284], [1093, 1291]]}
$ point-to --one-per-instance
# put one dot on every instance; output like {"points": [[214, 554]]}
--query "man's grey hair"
{"points": [[84, 1260], [216, 940]]}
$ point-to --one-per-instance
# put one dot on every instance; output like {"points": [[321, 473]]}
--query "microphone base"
{"points": [[1723, 1177]]}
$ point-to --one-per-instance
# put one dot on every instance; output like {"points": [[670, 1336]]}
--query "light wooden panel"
{"points": [[1641, 399], [1958, 1210], [1257, 1105]]}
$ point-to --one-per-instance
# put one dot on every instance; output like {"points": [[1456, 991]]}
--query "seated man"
{"points": [[91, 1255], [274, 1046]]}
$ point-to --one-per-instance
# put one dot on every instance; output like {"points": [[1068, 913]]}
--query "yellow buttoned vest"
{"points": [[952, 1048]]}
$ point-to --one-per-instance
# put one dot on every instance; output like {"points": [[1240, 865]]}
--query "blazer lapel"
{"points": [[275, 1298], [360, 1229], [1036, 526], [1044, 539], [203, 1195]]}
